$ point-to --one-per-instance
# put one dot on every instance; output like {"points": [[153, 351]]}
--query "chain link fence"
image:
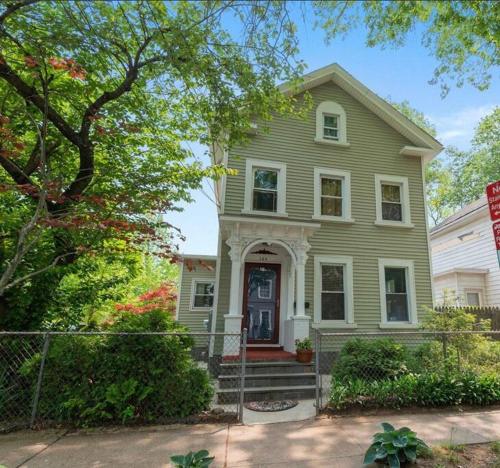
{"points": [[99, 378], [416, 368]]}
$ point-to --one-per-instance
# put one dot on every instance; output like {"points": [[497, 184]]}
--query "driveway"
{"points": [[332, 442]]}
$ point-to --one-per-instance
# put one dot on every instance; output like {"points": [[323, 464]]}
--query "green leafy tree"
{"points": [[117, 87], [437, 175], [472, 170], [462, 35]]}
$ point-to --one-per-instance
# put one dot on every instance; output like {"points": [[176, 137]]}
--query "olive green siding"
{"points": [[374, 149], [193, 318]]}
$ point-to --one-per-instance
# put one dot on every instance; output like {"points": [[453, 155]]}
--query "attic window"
{"points": [[331, 127], [331, 124]]}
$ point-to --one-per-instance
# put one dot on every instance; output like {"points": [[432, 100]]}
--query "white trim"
{"points": [[427, 233], [359, 91], [405, 200], [345, 177], [271, 222], [216, 295], [179, 292], [410, 292], [251, 164], [331, 108], [194, 281], [259, 296], [347, 262]]}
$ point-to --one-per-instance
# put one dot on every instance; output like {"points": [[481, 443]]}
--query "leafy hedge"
{"points": [[371, 360], [91, 380], [417, 390], [383, 373]]}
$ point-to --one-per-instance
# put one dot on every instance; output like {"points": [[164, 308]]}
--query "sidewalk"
{"points": [[338, 442]]}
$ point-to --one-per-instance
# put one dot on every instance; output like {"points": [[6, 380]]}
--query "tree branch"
{"points": [[30, 94], [14, 7], [17, 174]]}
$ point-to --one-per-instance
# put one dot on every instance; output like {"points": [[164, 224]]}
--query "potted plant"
{"points": [[304, 350]]}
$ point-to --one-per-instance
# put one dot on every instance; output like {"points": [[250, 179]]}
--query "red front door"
{"points": [[261, 302]]}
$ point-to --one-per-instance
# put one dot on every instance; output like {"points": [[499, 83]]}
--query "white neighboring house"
{"points": [[464, 259]]}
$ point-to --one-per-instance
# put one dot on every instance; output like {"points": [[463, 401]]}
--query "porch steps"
{"points": [[268, 380]]}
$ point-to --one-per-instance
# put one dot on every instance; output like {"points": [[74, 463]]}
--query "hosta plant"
{"points": [[192, 460], [394, 446]]}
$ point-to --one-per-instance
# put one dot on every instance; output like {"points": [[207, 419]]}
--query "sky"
{"points": [[401, 74]]}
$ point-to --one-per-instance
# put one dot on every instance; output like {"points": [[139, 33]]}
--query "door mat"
{"points": [[268, 406]]}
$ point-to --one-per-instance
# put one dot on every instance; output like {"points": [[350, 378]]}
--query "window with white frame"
{"points": [[203, 294], [333, 294], [397, 292], [331, 124], [265, 187], [331, 127], [332, 198], [392, 200]]}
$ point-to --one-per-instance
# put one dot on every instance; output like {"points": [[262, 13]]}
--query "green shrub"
{"points": [[371, 360], [430, 389], [115, 378], [394, 446]]}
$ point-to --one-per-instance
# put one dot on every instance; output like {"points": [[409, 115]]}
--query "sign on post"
{"points": [[496, 235], [493, 195]]}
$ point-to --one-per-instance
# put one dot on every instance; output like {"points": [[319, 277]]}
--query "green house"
{"points": [[324, 225]]}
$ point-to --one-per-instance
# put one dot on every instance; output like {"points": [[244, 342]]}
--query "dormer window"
{"points": [[331, 124], [331, 127]]}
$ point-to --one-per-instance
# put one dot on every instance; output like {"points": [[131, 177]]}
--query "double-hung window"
{"points": [[332, 197], [331, 124], [265, 187], [203, 294], [392, 207], [331, 127], [333, 294], [392, 200], [397, 292], [265, 190]]}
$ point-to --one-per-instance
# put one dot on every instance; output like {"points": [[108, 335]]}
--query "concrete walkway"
{"points": [[321, 442]]}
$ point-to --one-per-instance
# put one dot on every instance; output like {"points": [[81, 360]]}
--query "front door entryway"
{"points": [[261, 302]]}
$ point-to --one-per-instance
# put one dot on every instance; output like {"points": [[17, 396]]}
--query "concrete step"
{"points": [[269, 367], [232, 395], [269, 380]]}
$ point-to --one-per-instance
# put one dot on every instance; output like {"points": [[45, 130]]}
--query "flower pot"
{"points": [[304, 356]]}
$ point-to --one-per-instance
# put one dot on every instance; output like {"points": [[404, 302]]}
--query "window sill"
{"points": [[277, 214], [333, 219], [322, 141], [201, 309], [396, 224], [399, 325], [334, 324]]}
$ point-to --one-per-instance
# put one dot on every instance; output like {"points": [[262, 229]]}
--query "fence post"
{"points": [[243, 370], [316, 366], [39, 380]]}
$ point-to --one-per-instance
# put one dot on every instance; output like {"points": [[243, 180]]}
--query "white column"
{"points": [[297, 328], [232, 320], [300, 286]]}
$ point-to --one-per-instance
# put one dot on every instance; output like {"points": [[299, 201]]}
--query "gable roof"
{"points": [[425, 145], [463, 216]]}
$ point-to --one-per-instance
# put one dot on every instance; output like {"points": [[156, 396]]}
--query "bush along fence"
{"points": [[97, 378], [491, 313], [404, 369]]}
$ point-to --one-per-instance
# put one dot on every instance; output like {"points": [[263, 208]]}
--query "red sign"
{"points": [[496, 234], [493, 195]]}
